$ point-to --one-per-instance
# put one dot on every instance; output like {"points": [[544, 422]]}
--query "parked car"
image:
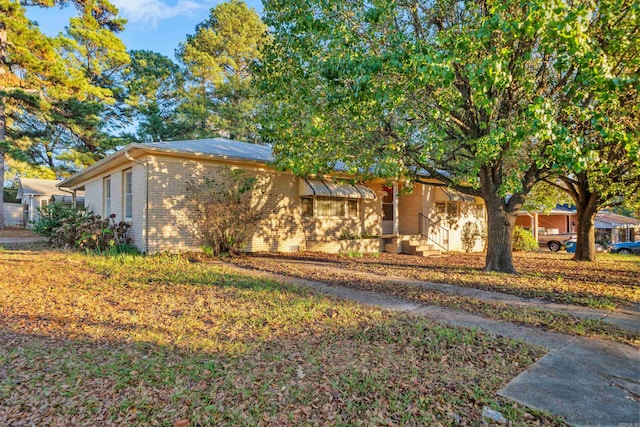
{"points": [[626, 248], [555, 241]]}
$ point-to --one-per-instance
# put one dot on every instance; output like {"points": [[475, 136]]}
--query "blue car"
{"points": [[626, 248]]}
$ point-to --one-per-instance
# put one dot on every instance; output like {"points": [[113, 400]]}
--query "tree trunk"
{"points": [[587, 208], [499, 236], [587, 204], [3, 120]]}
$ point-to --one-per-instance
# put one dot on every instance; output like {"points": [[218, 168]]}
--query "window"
{"points": [[307, 206], [107, 197], [329, 206], [352, 208], [128, 194], [44, 202], [447, 209]]}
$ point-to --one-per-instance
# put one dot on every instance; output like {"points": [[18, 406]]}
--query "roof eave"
{"points": [[74, 179]]}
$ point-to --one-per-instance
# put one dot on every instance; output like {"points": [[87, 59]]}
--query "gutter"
{"points": [[145, 213], [73, 196]]}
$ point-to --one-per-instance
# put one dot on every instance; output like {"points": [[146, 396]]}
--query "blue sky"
{"points": [[157, 25]]}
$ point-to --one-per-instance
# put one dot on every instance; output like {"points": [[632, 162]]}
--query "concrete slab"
{"points": [[583, 390]]}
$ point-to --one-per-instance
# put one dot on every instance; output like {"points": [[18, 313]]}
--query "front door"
{"points": [[387, 210]]}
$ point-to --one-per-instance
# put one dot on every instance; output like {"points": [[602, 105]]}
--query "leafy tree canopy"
{"points": [[463, 91]]}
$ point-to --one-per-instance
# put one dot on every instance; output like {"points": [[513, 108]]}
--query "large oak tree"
{"points": [[461, 91]]}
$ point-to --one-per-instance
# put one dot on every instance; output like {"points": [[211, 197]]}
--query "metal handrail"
{"points": [[434, 232]]}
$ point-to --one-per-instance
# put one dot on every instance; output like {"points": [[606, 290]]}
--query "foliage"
{"points": [[51, 216], [155, 89], [544, 197], [61, 109], [471, 233], [75, 228], [463, 90], [222, 211], [218, 58], [348, 235], [524, 240], [152, 340]]}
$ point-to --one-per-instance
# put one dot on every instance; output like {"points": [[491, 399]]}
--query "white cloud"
{"points": [[151, 12]]}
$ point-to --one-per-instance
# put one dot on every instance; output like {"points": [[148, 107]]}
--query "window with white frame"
{"points": [[127, 182], [107, 197], [329, 207]]}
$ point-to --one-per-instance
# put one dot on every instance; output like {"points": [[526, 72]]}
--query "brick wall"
{"points": [[282, 229], [409, 204], [276, 194], [94, 198]]}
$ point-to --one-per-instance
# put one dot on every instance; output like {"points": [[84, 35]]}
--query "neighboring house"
{"points": [[614, 228], [37, 193], [145, 184], [560, 220], [610, 227]]}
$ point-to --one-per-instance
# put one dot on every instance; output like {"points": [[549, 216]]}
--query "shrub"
{"points": [[523, 240], [221, 212], [51, 217], [347, 235], [91, 232]]}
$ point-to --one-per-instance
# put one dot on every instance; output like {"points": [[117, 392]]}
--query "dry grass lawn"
{"points": [[127, 340], [611, 283]]}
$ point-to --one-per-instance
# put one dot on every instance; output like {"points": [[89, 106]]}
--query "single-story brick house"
{"points": [[145, 184]]}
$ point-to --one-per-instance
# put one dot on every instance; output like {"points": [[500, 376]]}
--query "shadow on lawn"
{"points": [[555, 283], [353, 375]]}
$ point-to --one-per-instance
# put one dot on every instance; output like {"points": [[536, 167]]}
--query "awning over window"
{"points": [[324, 188], [451, 195]]}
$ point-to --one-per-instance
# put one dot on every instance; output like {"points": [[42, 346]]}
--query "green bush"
{"points": [[523, 240], [348, 235], [51, 216]]}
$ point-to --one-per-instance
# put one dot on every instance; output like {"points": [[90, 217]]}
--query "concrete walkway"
{"points": [[585, 381], [16, 241], [628, 318]]}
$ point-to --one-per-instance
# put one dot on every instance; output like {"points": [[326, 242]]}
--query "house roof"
{"points": [[219, 147], [39, 187], [605, 219], [558, 210]]}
